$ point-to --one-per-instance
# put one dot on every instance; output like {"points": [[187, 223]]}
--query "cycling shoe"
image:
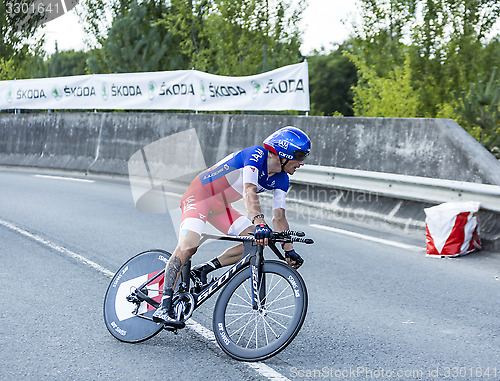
{"points": [[161, 315]]}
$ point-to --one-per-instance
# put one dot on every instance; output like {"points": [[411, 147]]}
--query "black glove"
{"points": [[261, 232], [294, 257]]}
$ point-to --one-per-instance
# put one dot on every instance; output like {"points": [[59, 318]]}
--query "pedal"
{"points": [[197, 285], [194, 276], [171, 329], [182, 287], [200, 286]]}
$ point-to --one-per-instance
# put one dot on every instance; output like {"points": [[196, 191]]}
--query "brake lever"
{"points": [[289, 236], [307, 241]]}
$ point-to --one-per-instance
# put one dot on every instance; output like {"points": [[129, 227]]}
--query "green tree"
{"points": [[447, 41], [376, 96], [71, 62], [98, 16], [136, 42], [187, 21], [60, 64], [9, 69], [230, 37], [227, 37], [251, 36], [15, 28], [16, 49], [331, 77], [379, 38], [449, 48], [480, 108]]}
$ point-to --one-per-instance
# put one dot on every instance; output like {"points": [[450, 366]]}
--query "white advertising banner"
{"points": [[286, 88]]}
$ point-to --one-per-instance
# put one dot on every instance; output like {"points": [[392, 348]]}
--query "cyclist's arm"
{"points": [[252, 202], [280, 223], [253, 161]]}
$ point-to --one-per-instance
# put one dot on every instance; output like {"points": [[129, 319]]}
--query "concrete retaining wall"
{"points": [[104, 142]]}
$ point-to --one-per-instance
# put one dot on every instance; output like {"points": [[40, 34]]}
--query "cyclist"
{"points": [[208, 198]]}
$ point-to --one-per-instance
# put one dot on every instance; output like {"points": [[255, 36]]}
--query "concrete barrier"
{"points": [[104, 142]]}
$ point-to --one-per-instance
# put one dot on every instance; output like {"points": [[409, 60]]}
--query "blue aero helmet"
{"points": [[289, 143]]}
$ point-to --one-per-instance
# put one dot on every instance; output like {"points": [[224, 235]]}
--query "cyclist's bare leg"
{"points": [[187, 246], [227, 258], [233, 254]]}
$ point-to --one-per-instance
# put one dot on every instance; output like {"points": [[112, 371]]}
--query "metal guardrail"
{"points": [[422, 189]]}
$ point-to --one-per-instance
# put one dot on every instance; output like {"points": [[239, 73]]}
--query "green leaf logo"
{"points": [[10, 96], [57, 94], [104, 91], [151, 90], [203, 96], [256, 88]]}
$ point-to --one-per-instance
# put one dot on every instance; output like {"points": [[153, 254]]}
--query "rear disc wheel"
{"points": [[127, 320]]}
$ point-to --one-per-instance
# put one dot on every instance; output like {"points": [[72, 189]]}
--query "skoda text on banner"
{"points": [[286, 88]]}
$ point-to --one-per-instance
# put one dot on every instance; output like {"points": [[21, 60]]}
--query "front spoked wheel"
{"points": [[252, 335]]}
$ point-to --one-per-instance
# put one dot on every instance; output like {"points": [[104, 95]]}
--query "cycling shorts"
{"points": [[200, 206]]}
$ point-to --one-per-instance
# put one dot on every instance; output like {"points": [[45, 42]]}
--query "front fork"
{"points": [[258, 280]]}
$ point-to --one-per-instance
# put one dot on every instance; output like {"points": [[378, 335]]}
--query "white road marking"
{"points": [[58, 248], [368, 238], [267, 371], [261, 368], [64, 178]]}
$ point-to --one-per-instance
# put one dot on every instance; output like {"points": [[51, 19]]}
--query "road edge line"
{"points": [[368, 238], [261, 368]]}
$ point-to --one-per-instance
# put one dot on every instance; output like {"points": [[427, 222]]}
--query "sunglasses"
{"points": [[300, 155]]}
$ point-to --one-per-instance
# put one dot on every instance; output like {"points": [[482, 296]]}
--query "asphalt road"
{"points": [[375, 311]]}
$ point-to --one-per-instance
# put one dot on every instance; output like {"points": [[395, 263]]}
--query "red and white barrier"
{"points": [[452, 229]]}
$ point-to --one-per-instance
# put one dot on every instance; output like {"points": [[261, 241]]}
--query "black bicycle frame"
{"points": [[253, 256]]}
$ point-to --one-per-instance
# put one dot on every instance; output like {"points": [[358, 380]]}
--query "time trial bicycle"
{"points": [[259, 312]]}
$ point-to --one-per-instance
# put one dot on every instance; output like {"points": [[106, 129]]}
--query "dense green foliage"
{"points": [[479, 108], [15, 51], [331, 77], [136, 41], [219, 36], [413, 55], [60, 64]]}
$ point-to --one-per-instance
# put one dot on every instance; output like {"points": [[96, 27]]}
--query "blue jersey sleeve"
{"points": [[253, 163], [254, 156]]}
